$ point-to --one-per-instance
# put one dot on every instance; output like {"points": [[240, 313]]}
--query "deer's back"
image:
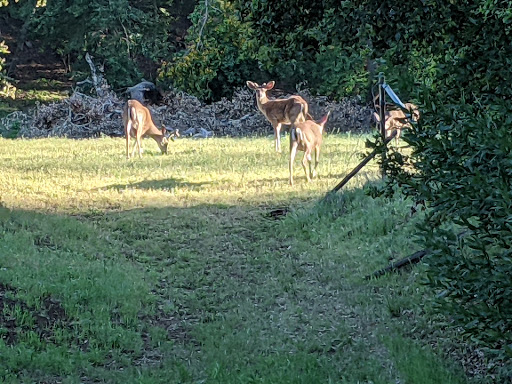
{"points": [[311, 133], [286, 110]]}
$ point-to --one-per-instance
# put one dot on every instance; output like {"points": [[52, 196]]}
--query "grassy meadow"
{"points": [[171, 269]]}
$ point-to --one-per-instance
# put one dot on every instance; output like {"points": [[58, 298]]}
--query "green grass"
{"points": [[170, 270]]}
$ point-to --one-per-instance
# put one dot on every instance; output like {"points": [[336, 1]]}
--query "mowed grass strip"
{"points": [[170, 269]]}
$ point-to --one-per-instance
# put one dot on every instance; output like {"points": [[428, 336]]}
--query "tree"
{"points": [[293, 42]]}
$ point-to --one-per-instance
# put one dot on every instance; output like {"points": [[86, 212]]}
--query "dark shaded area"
{"points": [[165, 184], [28, 63], [46, 319]]}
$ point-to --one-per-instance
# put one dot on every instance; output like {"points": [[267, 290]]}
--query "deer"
{"points": [[398, 120], [306, 136], [137, 123], [287, 111]]}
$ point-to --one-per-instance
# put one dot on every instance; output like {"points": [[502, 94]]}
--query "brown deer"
{"points": [[307, 136], [137, 123], [279, 111], [398, 119]]}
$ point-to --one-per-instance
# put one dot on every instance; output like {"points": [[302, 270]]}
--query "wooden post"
{"points": [[382, 116]]}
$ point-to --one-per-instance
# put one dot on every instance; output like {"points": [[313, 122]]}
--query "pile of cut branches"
{"points": [[83, 116], [79, 116]]}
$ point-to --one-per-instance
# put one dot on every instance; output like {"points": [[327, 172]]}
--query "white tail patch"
{"points": [[300, 135]]}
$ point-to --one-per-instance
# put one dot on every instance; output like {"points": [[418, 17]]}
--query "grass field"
{"points": [[170, 269]]}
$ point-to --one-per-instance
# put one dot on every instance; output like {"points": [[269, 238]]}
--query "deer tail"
{"points": [[324, 119]]}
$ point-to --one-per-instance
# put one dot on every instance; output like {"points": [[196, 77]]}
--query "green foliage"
{"points": [[344, 68], [461, 157], [117, 33], [220, 52], [293, 42], [335, 47], [6, 89]]}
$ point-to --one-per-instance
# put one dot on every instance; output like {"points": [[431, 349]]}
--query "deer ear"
{"points": [[252, 85], [270, 85]]}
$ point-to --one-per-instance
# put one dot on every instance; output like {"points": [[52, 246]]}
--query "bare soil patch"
{"points": [[44, 320]]}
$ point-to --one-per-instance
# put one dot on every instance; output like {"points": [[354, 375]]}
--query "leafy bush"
{"points": [[6, 89], [335, 47], [219, 53], [463, 158], [292, 42], [117, 33], [462, 169]]}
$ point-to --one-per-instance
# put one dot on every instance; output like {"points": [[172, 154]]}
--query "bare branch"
{"points": [[203, 24]]}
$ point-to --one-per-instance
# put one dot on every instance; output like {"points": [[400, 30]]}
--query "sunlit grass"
{"points": [[67, 175]]}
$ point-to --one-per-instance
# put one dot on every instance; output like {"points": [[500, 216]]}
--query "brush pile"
{"points": [[83, 116]]}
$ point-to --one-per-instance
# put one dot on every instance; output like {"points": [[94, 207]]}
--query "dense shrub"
{"points": [[219, 55], [4, 50], [462, 160], [321, 44], [462, 156], [335, 47], [117, 33]]}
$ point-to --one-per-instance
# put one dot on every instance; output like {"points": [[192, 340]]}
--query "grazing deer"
{"points": [[281, 111], [137, 123], [307, 136], [398, 120]]}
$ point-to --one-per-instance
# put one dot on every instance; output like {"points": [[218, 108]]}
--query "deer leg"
{"points": [[293, 152], [305, 159], [397, 137], [134, 147], [317, 160], [127, 133], [277, 136], [135, 144], [139, 145]]}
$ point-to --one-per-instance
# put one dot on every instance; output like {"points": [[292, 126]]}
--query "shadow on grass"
{"points": [[165, 185], [190, 281]]}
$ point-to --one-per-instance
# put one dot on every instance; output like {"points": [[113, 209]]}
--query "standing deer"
{"points": [[281, 111], [137, 123], [398, 120], [307, 136]]}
